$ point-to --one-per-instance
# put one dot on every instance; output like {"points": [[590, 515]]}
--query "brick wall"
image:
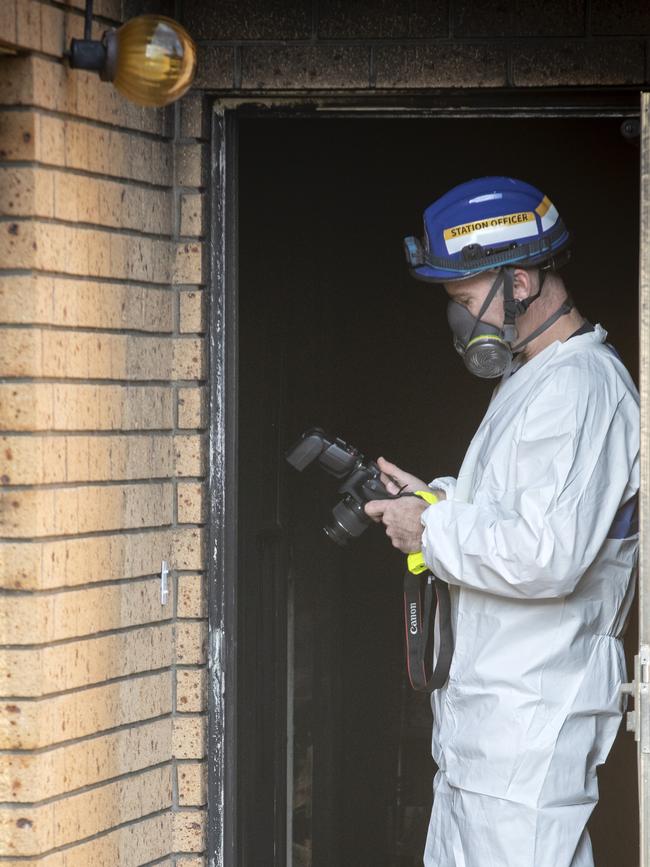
{"points": [[101, 460], [102, 376], [389, 45]]}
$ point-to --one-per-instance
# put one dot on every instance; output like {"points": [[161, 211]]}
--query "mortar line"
{"points": [[131, 433], [82, 790], [125, 282], [90, 329], [146, 626], [104, 483], [67, 380], [98, 534], [75, 690], [106, 126], [84, 226], [129, 823], [11, 592], [71, 742], [90, 174]]}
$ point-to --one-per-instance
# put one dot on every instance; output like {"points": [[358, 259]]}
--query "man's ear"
{"points": [[522, 285]]}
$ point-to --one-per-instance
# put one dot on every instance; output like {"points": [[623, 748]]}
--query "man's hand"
{"points": [[396, 480], [402, 520]]}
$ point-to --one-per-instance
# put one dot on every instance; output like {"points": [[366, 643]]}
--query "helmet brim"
{"points": [[428, 274]]}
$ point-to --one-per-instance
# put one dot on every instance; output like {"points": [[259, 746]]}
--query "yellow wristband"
{"points": [[415, 562], [428, 496]]}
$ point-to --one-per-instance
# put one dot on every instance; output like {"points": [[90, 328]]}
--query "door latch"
{"points": [[638, 720], [164, 583]]}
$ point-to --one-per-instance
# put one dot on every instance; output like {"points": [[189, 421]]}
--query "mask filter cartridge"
{"points": [[480, 344]]}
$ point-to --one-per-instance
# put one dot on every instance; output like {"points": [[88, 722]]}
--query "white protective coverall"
{"points": [[537, 540]]}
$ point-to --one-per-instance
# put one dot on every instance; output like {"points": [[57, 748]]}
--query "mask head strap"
{"points": [[494, 288], [511, 306]]}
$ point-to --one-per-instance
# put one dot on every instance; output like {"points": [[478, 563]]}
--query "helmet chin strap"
{"points": [[514, 308], [565, 307]]}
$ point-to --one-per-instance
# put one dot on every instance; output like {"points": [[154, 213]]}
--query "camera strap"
{"points": [[427, 618], [426, 606]]}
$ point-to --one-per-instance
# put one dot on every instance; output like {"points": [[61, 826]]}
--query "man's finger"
{"points": [[376, 508], [390, 469], [389, 484]]}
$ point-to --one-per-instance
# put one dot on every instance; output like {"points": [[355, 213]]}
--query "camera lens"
{"points": [[350, 521], [337, 534]]}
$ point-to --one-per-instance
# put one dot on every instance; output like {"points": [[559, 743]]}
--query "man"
{"points": [[537, 540]]}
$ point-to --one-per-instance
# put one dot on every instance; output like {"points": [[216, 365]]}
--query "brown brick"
{"points": [[191, 638], [189, 451], [551, 18], [57, 28], [27, 619], [411, 66], [76, 144], [8, 23], [188, 160], [189, 544], [192, 214], [60, 407], [65, 511], [71, 562], [51, 459], [138, 843], [26, 192], [305, 66], [188, 737], [192, 312], [190, 690], [192, 114], [623, 17], [191, 596], [192, 407], [191, 784], [370, 19], [28, 25], [189, 831], [189, 358], [87, 813], [249, 19], [191, 503], [17, 129], [27, 778], [84, 355], [578, 63], [40, 671], [42, 299], [101, 202], [78, 250], [188, 263], [533, 18], [35, 81], [191, 862], [215, 69], [46, 28], [33, 724], [106, 8]]}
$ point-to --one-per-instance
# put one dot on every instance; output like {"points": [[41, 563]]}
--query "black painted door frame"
{"points": [[223, 753]]}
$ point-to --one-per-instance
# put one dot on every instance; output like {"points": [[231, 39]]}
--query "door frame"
{"points": [[222, 541]]}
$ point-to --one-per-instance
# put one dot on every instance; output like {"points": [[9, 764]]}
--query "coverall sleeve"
{"points": [[535, 528], [444, 483]]}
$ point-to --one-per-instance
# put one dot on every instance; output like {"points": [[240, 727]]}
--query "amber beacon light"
{"points": [[150, 60]]}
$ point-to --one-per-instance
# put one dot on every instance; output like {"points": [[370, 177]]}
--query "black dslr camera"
{"points": [[361, 481]]}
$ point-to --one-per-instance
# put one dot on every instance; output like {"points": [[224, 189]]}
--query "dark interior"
{"points": [[334, 332]]}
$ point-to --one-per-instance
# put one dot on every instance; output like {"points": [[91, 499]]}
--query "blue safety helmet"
{"points": [[487, 223]]}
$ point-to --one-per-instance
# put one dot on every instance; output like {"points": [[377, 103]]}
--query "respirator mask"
{"points": [[486, 349]]}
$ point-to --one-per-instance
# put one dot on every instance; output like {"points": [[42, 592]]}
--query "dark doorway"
{"points": [[333, 747]]}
